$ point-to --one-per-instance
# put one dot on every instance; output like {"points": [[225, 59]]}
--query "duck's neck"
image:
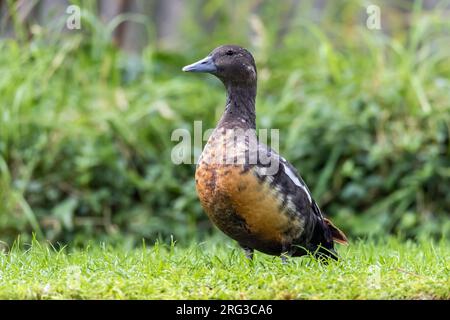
{"points": [[240, 107]]}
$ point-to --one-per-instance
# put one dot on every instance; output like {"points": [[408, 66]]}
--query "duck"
{"points": [[249, 191]]}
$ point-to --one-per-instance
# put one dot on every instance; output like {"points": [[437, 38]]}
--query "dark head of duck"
{"points": [[236, 68]]}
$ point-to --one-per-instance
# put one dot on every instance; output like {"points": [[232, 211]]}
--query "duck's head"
{"points": [[230, 63]]}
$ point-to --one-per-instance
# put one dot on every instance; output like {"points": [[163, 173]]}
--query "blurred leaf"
{"points": [[64, 211]]}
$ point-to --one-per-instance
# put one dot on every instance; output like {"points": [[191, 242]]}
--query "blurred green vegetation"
{"points": [[363, 114]]}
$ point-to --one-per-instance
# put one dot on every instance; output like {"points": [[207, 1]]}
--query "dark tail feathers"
{"points": [[338, 235]]}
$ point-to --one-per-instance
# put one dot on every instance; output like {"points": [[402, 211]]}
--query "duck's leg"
{"points": [[286, 252], [248, 252]]}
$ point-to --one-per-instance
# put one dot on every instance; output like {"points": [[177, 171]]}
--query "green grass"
{"points": [[391, 269]]}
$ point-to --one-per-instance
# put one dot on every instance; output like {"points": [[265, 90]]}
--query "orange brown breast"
{"points": [[248, 209]]}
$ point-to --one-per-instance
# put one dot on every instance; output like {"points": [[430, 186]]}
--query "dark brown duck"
{"points": [[249, 191]]}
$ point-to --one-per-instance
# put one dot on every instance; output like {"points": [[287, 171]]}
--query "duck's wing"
{"points": [[287, 182], [294, 197], [295, 176]]}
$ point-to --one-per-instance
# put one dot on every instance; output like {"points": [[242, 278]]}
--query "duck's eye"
{"points": [[229, 52]]}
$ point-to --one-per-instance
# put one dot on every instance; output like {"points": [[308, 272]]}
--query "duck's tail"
{"points": [[336, 233], [333, 234], [324, 235]]}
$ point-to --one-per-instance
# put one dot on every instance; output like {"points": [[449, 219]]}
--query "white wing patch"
{"points": [[296, 181]]}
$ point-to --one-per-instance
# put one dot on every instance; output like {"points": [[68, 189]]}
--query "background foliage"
{"points": [[363, 114]]}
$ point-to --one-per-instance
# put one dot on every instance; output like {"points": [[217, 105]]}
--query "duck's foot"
{"points": [[287, 253], [248, 252]]}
